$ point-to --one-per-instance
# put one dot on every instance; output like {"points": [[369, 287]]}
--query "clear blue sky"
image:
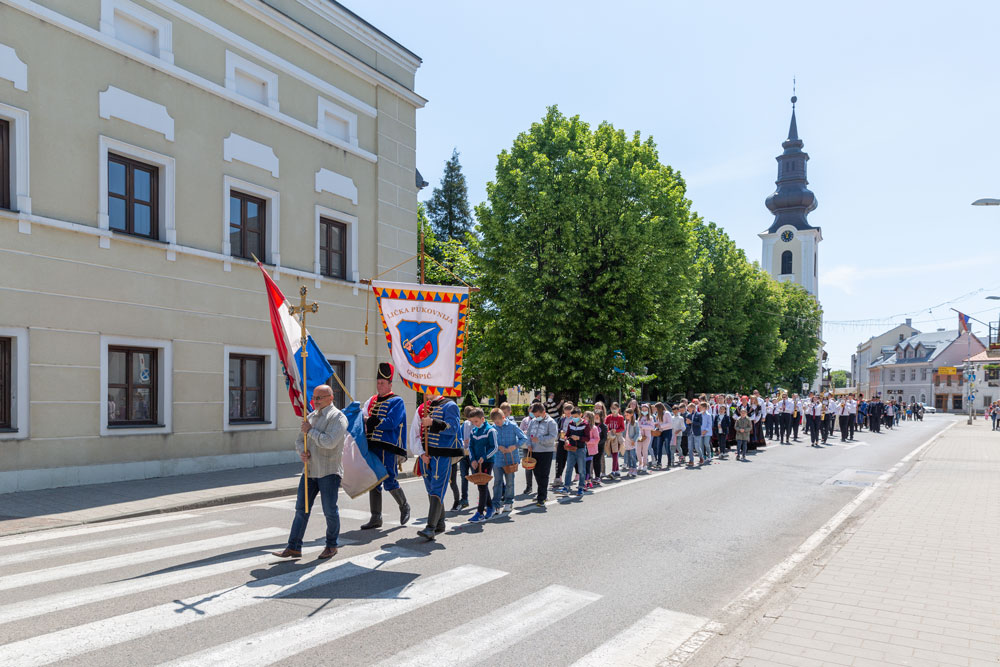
{"points": [[898, 108]]}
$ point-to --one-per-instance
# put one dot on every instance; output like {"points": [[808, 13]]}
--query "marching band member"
{"points": [[814, 414], [842, 418], [797, 403], [786, 407], [385, 429], [438, 445]]}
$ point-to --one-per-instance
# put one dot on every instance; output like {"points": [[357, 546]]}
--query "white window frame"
{"points": [[270, 401], [20, 186], [352, 274], [160, 24], [19, 376], [166, 177], [272, 220], [236, 62], [325, 107], [164, 386], [349, 359]]}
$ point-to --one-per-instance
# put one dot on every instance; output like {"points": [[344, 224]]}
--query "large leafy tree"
{"points": [[587, 248], [736, 339], [801, 321], [448, 209]]}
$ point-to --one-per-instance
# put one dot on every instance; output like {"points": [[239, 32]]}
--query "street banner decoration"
{"points": [[363, 470], [425, 331], [963, 323]]}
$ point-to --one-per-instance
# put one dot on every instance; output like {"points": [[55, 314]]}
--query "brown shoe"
{"points": [[287, 553], [329, 552]]}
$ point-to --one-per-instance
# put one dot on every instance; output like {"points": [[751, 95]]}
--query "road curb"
{"points": [[231, 499]]}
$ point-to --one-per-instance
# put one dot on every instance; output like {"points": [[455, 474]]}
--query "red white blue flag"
{"points": [[963, 323]]}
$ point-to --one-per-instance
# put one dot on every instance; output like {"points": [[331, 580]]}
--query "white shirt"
{"points": [[852, 407], [787, 406]]}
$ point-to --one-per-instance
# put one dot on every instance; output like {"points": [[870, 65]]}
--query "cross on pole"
{"points": [[301, 311]]}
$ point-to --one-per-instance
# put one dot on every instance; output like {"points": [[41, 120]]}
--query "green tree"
{"points": [[448, 208], [587, 248], [800, 326], [840, 379], [736, 339]]}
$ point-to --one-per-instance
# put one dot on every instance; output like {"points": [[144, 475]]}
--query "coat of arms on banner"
{"points": [[420, 342], [425, 331]]}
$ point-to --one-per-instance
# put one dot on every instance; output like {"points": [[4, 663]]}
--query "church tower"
{"points": [[791, 244]]}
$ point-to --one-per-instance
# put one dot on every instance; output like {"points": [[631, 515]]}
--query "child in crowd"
{"points": [[461, 467], [632, 433], [646, 425], [528, 474], [616, 438], [601, 414], [707, 424], [567, 416], [577, 434], [509, 438], [678, 435], [593, 438], [743, 426], [482, 450], [664, 424]]}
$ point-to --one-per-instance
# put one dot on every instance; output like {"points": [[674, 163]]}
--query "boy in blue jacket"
{"points": [[482, 450]]}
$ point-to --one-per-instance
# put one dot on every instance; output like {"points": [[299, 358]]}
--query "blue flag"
{"points": [[363, 471], [319, 369]]}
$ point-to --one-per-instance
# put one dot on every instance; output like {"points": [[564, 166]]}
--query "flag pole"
{"points": [[301, 311]]}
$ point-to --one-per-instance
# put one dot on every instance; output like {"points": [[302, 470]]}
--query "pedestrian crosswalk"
{"points": [[113, 605]]}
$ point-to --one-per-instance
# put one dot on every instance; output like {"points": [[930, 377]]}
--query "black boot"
{"points": [[404, 507], [375, 502], [435, 513]]}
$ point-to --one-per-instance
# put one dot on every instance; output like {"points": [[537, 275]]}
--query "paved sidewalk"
{"points": [[918, 580], [51, 508]]}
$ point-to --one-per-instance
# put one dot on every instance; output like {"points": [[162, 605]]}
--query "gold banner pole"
{"points": [[301, 311]]}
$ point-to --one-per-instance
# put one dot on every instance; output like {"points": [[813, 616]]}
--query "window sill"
{"points": [[8, 430], [124, 426], [249, 423], [128, 235]]}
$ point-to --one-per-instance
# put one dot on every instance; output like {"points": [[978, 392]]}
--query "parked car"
{"points": [[928, 409]]}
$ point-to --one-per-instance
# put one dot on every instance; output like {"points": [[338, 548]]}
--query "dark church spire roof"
{"points": [[792, 201]]}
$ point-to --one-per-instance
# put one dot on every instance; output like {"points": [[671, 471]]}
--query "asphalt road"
{"points": [[621, 576]]}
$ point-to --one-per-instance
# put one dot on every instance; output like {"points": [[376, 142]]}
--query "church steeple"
{"points": [[792, 201]]}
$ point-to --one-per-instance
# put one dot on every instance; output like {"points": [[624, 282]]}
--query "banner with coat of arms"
{"points": [[425, 330]]}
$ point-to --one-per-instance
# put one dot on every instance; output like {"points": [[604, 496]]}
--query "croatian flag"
{"points": [[288, 340], [363, 471], [963, 323]]}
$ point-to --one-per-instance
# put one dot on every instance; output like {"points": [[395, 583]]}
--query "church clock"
{"points": [[787, 235]]}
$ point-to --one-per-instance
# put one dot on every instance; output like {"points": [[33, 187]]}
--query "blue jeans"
{"points": [[576, 461], [696, 445], [631, 459], [656, 452], [741, 448], [463, 470], [503, 487], [665, 439], [327, 487]]}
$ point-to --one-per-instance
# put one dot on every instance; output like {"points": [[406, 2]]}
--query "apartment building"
{"points": [[148, 150]]}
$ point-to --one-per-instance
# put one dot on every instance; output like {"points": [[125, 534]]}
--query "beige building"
{"points": [[147, 149]]}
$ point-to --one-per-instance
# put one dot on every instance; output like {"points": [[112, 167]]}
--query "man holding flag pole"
{"points": [[332, 446]]}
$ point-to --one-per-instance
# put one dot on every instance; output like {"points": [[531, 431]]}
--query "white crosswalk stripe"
{"points": [[88, 529], [487, 635], [60, 645], [116, 589], [164, 533], [123, 560], [268, 647], [648, 642]]}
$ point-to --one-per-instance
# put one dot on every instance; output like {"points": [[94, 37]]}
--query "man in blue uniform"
{"points": [[385, 429], [440, 444]]}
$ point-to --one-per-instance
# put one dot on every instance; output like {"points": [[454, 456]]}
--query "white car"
{"points": [[928, 409]]}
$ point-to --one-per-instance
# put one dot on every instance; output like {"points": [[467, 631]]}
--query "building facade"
{"points": [[918, 369], [871, 350], [150, 150], [790, 246]]}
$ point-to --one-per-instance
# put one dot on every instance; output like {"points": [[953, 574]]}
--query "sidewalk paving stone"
{"points": [[918, 581]]}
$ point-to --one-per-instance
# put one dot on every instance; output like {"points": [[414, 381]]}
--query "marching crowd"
{"points": [[454, 449]]}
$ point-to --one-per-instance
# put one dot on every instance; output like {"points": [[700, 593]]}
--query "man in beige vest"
{"points": [[325, 427]]}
